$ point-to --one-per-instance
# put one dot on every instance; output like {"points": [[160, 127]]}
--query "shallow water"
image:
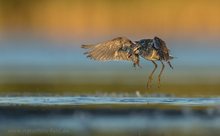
{"points": [[90, 100], [93, 115]]}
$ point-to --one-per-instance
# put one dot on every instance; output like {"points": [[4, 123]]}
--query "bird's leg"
{"points": [[136, 64], [161, 71], [139, 65], [150, 78]]}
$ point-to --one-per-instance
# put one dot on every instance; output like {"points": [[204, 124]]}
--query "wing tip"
{"points": [[86, 46], [83, 46]]}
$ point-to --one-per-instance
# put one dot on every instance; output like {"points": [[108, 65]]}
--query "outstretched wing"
{"points": [[161, 47], [115, 49]]}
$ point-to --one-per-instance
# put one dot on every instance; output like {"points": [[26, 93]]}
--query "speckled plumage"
{"points": [[121, 48], [154, 49]]}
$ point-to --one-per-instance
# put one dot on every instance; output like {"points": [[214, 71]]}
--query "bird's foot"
{"points": [[137, 65], [148, 86], [158, 86]]}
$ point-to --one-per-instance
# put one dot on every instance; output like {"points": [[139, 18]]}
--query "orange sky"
{"points": [[103, 17]]}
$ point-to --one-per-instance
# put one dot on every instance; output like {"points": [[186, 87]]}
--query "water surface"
{"points": [[107, 116]]}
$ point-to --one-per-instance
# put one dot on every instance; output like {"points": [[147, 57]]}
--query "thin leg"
{"points": [[136, 64], [161, 71], [150, 78]]}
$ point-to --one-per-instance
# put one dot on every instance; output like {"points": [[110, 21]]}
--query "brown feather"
{"points": [[114, 49]]}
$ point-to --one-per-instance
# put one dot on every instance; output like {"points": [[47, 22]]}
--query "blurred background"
{"points": [[40, 46]]}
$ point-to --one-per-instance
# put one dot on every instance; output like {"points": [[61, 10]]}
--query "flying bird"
{"points": [[121, 48]]}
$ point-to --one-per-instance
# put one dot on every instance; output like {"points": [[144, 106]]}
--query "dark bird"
{"points": [[121, 48]]}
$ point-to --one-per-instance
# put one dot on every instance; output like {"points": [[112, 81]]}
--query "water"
{"points": [[107, 116], [91, 100]]}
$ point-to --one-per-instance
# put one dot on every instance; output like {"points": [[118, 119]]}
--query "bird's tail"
{"points": [[87, 46]]}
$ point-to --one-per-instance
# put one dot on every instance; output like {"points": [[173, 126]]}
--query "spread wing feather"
{"points": [[115, 49]]}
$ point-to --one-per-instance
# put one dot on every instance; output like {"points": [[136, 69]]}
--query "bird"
{"points": [[122, 48]]}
